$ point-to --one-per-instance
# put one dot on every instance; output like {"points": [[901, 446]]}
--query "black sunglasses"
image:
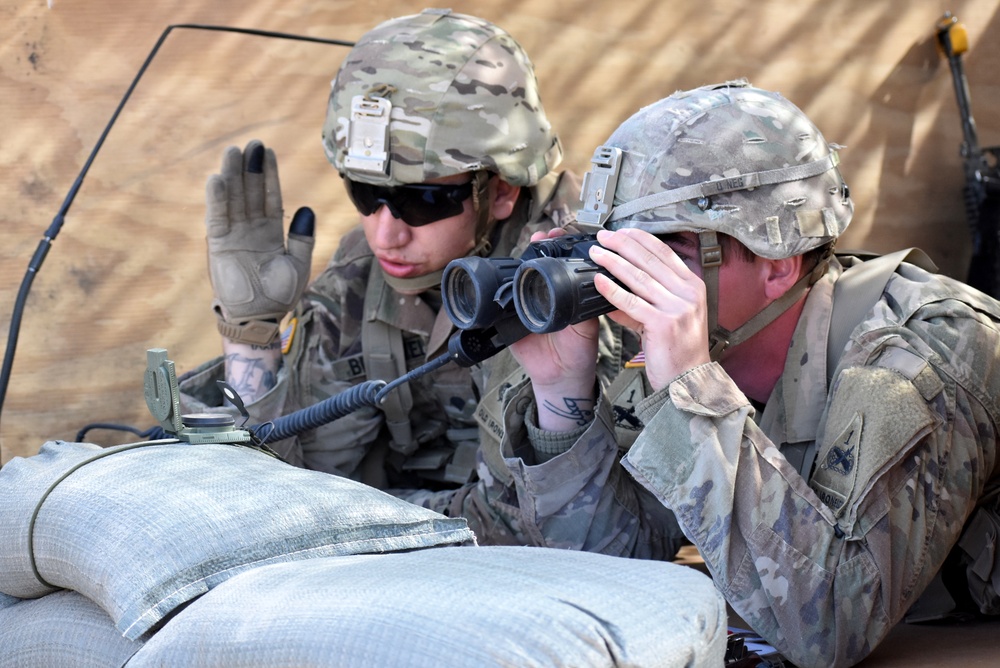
{"points": [[416, 205]]}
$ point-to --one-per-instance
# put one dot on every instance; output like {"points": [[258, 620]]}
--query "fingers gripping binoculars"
{"points": [[550, 287]]}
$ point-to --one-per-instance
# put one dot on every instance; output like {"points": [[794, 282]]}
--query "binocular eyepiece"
{"points": [[550, 287]]}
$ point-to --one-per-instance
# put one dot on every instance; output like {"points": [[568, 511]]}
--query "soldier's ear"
{"points": [[503, 196], [781, 275]]}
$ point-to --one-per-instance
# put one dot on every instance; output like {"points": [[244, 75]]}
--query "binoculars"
{"points": [[550, 287]]}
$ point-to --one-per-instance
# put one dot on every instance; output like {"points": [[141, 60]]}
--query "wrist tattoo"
{"points": [[250, 376], [274, 345], [580, 411]]}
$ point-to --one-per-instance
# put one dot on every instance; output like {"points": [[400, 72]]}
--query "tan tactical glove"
{"points": [[256, 279]]}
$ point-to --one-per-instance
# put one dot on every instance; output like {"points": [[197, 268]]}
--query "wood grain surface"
{"points": [[127, 270]]}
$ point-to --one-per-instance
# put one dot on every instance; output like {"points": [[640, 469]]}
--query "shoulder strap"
{"points": [[382, 348], [855, 293], [858, 290]]}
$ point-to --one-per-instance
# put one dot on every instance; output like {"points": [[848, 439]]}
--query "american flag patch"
{"points": [[288, 335], [637, 361]]}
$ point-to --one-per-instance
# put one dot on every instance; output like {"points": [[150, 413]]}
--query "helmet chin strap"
{"points": [[484, 229], [415, 285], [481, 209], [719, 338]]}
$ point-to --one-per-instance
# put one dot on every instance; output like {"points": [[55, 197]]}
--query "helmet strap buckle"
{"points": [[711, 255]]}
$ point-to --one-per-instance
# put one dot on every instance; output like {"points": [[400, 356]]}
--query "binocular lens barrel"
{"points": [[551, 287], [535, 299], [552, 293], [469, 287]]}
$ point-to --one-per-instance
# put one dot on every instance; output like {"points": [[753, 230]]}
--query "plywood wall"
{"points": [[127, 269]]}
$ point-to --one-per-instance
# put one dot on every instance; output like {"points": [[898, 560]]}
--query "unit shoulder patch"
{"points": [[875, 417]]}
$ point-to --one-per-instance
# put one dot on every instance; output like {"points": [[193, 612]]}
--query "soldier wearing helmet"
{"points": [[437, 130], [819, 426]]}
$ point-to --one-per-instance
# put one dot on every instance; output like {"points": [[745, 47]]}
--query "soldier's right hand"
{"points": [[663, 299], [257, 276]]}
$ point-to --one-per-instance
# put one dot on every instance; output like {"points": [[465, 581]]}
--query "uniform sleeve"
{"points": [[568, 493], [312, 370], [579, 499], [822, 569], [200, 394]]}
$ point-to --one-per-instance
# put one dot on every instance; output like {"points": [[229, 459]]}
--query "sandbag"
{"points": [[60, 629], [459, 606], [140, 529]]}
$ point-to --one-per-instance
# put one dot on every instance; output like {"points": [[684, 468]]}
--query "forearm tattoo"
{"points": [[250, 376], [580, 411]]}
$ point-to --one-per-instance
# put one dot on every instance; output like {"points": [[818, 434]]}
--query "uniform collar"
{"points": [[409, 313], [796, 405]]}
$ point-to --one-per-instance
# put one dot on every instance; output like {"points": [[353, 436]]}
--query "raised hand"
{"points": [[257, 276]]}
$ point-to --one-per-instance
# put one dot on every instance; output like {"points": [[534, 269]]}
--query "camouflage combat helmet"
{"points": [[436, 94], [729, 159]]}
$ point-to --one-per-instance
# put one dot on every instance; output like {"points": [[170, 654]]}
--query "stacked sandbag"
{"points": [[472, 606], [60, 629], [221, 555], [144, 528]]}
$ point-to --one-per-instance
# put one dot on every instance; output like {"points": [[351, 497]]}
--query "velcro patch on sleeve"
{"points": [[876, 416]]}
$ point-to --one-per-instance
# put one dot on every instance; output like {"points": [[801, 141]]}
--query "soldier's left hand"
{"points": [[257, 275]]}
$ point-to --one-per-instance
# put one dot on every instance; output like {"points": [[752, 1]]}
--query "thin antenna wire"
{"points": [[50, 234]]}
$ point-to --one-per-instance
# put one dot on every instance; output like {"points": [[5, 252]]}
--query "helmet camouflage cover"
{"points": [[436, 94], [732, 159]]}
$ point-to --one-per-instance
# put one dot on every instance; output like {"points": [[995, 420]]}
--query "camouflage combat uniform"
{"points": [[824, 565], [820, 554], [325, 358], [418, 98]]}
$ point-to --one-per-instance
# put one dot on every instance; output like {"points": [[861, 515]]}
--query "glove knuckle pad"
{"points": [[279, 279]]}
